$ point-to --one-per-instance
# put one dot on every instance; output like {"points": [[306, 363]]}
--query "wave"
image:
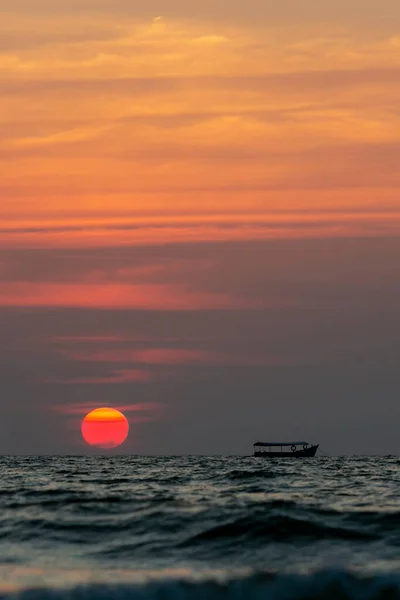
{"points": [[325, 585], [239, 474], [215, 512], [277, 528], [91, 520]]}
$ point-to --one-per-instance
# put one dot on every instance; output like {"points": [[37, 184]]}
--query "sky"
{"points": [[200, 223]]}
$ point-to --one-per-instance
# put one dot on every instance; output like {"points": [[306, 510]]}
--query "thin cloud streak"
{"points": [[83, 408], [116, 377], [319, 80], [159, 231], [180, 357], [112, 296]]}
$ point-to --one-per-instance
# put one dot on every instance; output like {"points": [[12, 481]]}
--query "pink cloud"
{"points": [[110, 339], [152, 356], [88, 338], [113, 296], [174, 357], [199, 229]]}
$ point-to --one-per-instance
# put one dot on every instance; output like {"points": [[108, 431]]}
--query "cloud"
{"points": [[17, 40], [303, 82], [131, 85], [86, 339], [171, 356], [365, 12], [140, 412], [115, 377], [177, 357], [157, 231], [178, 113], [112, 296], [148, 356]]}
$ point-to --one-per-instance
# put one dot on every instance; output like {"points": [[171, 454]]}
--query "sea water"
{"points": [[200, 527]]}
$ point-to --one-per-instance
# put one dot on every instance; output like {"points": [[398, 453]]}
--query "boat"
{"points": [[296, 449]]}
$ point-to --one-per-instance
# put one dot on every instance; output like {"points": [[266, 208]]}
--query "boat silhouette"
{"points": [[296, 449]]}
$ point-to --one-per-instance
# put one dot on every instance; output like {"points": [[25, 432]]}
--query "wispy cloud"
{"points": [[85, 407], [112, 296], [130, 232], [115, 377], [177, 114], [179, 357], [137, 413]]}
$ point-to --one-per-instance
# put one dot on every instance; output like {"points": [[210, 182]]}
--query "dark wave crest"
{"points": [[239, 474], [279, 527], [338, 585]]}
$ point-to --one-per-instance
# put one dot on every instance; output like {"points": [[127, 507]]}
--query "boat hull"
{"points": [[303, 453]]}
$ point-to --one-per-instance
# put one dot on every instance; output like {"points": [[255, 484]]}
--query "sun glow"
{"points": [[105, 428]]}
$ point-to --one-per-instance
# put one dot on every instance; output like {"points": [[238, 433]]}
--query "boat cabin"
{"points": [[284, 449]]}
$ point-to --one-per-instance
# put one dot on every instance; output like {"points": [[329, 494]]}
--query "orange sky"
{"points": [[111, 118]]}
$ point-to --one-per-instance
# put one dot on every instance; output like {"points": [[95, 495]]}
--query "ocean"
{"points": [[194, 528]]}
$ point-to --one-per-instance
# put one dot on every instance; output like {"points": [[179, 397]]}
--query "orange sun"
{"points": [[105, 428]]}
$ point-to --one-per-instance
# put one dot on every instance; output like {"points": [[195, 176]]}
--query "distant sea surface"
{"points": [[196, 528]]}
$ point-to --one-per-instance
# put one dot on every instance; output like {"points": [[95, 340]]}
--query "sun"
{"points": [[105, 428]]}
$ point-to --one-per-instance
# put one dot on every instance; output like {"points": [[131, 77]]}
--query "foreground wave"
{"points": [[132, 513], [325, 585]]}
